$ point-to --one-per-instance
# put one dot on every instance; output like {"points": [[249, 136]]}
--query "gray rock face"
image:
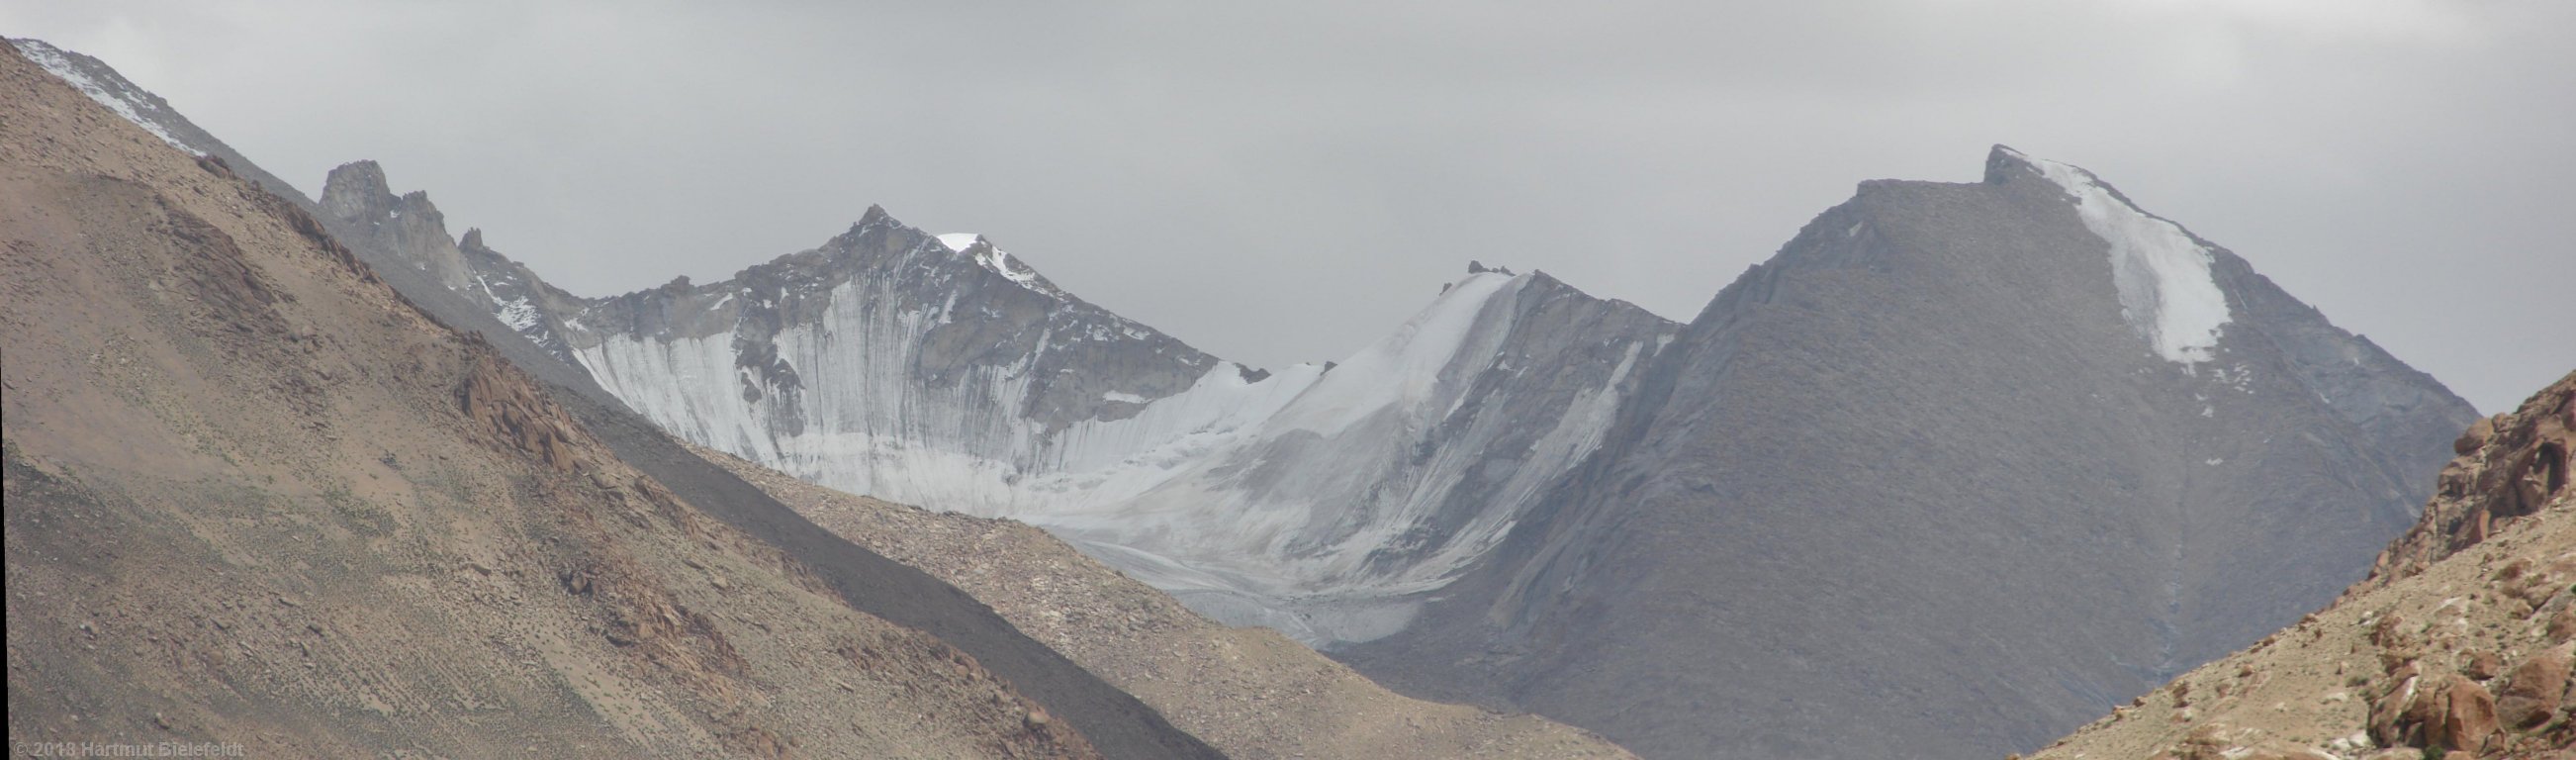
{"points": [[366, 213], [1943, 480]]}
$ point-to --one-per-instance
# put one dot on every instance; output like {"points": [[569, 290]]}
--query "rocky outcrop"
{"points": [[2510, 466], [511, 407], [365, 211]]}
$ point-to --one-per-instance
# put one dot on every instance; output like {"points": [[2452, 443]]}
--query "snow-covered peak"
{"points": [[959, 241], [109, 90], [2167, 293]]}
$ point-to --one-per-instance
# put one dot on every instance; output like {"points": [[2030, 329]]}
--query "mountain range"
{"points": [[2020, 412], [1963, 466]]}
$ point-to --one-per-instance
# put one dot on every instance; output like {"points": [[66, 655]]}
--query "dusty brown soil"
{"points": [[253, 497], [1251, 692]]}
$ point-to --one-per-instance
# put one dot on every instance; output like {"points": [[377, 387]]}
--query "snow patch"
{"points": [[519, 314], [119, 96], [998, 262], [1128, 398], [2167, 293]]}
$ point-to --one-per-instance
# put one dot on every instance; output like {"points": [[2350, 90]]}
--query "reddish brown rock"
{"points": [[2482, 665], [2463, 718], [2535, 691], [2450, 712]]}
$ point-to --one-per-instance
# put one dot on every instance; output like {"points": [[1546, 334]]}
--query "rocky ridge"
{"points": [[101, 83]]}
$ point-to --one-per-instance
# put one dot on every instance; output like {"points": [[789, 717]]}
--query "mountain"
{"points": [[1963, 466], [257, 497], [941, 370], [2457, 646]]}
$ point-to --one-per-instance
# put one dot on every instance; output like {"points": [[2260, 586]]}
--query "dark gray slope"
{"points": [[1115, 722], [1913, 489]]}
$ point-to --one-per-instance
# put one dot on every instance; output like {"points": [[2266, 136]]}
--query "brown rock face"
{"points": [[2510, 466], [2451, 712], [2535, 692], [512, 407]]}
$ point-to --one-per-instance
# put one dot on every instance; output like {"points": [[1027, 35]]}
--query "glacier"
{"points": [[1279, 499]]}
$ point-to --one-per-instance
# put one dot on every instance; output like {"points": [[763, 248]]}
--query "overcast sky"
{"points": [[1281, 182]]}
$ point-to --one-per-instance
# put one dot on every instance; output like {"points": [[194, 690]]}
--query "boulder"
{"points": [[2535, 691]]}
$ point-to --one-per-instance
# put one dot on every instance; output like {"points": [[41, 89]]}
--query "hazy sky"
{"points": [[1279, 182]]}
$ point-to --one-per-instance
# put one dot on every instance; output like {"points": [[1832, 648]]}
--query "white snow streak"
{"points": [[2166, 291], [118, 97]]}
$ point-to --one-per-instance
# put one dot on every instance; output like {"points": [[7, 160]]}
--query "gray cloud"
{"points": [[1286, 182]]}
